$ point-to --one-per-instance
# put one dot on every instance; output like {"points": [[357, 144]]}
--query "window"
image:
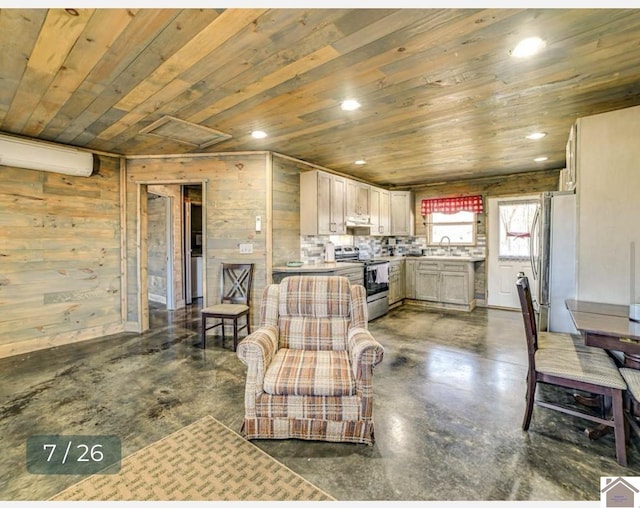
{"points": [[459, 227], [515, 225], [452, 218]]}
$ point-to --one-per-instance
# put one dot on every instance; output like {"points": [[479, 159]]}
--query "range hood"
{"points": [[358, 222]]}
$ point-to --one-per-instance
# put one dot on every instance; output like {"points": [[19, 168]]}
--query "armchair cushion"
{"points": [[305, 372]]}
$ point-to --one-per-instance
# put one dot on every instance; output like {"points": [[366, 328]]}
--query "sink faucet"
{"points": [[448, 244]]}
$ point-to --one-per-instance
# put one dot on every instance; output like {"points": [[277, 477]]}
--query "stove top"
{"points": [[351, 254]]}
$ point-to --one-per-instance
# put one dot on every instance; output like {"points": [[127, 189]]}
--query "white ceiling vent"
{"points": [[182, 131]]}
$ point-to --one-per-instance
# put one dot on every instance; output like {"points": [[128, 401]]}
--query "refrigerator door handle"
{"points": [[533, 235]]}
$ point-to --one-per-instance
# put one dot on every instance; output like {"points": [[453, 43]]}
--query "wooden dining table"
{"points": [[607, 326]]}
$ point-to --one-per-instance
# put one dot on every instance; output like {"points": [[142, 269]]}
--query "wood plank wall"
{"points": [[235, 192], [286, 209], [59, 257], [511, 185], [157, 247]]}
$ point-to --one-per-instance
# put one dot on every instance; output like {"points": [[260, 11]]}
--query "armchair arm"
{"points": [[256, 351], [364, 350], [365, 353]]}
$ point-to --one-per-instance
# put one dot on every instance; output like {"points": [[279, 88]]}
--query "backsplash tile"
{"points": [[312, 247]]}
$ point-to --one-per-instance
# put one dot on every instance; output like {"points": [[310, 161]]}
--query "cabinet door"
{"points": [[331, 204], [338, 224], [380, 210], [454, 287], [427, 286], [325, 210], [401, 213], [357, 200], [410, 279]]}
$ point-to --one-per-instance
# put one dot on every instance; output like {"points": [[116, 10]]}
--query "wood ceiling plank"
{"points": [[211, 37], [59, 33], [24, 25], [103, 28], [164, 36]]}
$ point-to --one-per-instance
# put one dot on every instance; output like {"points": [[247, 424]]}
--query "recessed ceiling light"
{"points": [[536, 135], [528, 47], [350, 105], [360, 162], [259, 134], [541, 159]]}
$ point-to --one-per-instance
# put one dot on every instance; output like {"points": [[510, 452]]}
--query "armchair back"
{"points": [[314, 313]]}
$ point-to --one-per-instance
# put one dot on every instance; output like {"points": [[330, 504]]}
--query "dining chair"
{"points": [[575, 369], [632, 397], [235, 298]]}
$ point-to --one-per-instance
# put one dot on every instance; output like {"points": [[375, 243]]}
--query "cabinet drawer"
{"points": [[453, 267], [428, 265]]}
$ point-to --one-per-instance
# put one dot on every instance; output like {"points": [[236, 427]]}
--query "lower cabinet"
{"points": [[396, 281], [443, 284]]}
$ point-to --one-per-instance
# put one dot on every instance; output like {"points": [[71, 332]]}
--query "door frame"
{"points": [[142, 232]]}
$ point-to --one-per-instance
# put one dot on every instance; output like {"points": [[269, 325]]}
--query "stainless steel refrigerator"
{"points": [[553, 259]]}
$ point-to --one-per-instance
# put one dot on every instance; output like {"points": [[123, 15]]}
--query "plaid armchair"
{"points": [[310, 363]]}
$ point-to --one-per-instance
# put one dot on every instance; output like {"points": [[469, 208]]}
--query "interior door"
{"points": [[509, 226]]}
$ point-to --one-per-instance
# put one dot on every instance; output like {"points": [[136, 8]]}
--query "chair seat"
{"points": [[584, 367], [632, 378], [225, 309], [566, 342], [308, 372]]}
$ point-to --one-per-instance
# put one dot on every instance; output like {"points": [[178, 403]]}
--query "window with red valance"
{"points": [[452, 205]]}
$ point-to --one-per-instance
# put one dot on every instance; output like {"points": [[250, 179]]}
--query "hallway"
{"points": [[449, 398]]}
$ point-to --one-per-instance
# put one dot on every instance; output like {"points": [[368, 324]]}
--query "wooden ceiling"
{"points": [[442, 99]]}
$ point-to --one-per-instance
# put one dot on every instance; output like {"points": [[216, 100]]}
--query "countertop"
{"points": [[465, 259], [315, 267]]}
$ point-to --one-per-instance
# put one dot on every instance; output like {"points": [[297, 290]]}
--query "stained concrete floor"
{"points": [[449, 398]]}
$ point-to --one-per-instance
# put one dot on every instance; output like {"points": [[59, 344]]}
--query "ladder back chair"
{"points": [[572, 369], [235, 298]]}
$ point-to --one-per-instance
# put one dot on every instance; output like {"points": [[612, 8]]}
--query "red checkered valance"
{"points": [[452, 205]]}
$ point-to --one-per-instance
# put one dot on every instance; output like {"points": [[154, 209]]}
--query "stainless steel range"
{"points": [[376, 279]]}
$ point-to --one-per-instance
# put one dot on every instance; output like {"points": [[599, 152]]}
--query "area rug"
{"points": [[203, 461]]}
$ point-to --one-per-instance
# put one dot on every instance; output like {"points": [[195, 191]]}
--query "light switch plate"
{"points": [[246, 248]]}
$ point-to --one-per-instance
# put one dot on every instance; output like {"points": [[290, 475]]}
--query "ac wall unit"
{"points": [[28, 154]]}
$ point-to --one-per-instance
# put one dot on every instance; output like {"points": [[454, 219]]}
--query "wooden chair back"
{"points": [[235, 283], [528, 315]]}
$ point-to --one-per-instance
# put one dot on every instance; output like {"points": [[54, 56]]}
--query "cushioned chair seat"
{"points": [[584, 367], [228, 309], [632, 377], [566, 342], [309, 372]]}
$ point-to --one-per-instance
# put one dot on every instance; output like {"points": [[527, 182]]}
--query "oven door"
{"points": [[371, 284]]}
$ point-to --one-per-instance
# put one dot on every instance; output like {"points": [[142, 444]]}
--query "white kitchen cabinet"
{"points": [[380, 203], [396, 281], [608, 206], [402, 221], [357, 200], [442, 283], [322, 204]]}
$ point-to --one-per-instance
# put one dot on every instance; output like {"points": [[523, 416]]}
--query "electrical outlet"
{"points": [[246, 248]]}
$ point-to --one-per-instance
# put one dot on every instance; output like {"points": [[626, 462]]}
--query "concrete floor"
{"points": [[449, 399]]}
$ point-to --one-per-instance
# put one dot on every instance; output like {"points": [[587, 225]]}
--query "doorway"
{"points": [[163, 264], [509, 240], [193, 243]]}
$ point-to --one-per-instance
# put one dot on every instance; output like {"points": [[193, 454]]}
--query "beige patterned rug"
{"points": [[203, 461]]}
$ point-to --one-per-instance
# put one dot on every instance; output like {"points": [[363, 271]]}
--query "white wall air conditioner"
{"points": [[28, 154]]}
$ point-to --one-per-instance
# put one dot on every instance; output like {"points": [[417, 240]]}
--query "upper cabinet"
{"points": [[322, 203], [402, 222], [357, 205], [379, 200]]}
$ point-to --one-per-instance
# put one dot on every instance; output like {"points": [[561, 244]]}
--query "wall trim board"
{"points": [[197, 155]]}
